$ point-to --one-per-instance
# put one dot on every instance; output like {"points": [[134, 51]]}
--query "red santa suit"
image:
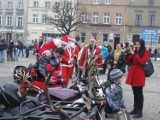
{"points": [[56, 77], [48, 46], [67, 64], [84, 59], [38, 46]]}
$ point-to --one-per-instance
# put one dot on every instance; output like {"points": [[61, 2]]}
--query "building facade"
{"points": [[13, 16], [104, 19], [38, 11], [143, 15]]}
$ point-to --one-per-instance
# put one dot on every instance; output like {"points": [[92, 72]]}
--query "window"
{"points": [[151, 20], [107, 1], [19, 22], [20, 5], [35, 18], [150, 2], [83, 36], [47, 4], [105, 37], [138, 20], [106, 18], [56, 19], [118, 19], [57, 5], [94, 35], [68, 5], [0, 20], [0, 5], [9, 5], [84, 17], [96, 1], [9, 20], [44, 18], [95, 17], [35, 4]]}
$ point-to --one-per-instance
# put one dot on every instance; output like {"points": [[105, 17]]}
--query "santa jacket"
{"points": [[47, 46], [67, 57], [84, 59], [136, 75]]}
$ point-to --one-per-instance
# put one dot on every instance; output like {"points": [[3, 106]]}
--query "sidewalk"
{"points": [[7, 67]]}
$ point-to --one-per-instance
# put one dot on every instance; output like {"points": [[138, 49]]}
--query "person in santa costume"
{"points": [[53, 44], [38, 46], [75, 51], [67, 61], [89, 51]]}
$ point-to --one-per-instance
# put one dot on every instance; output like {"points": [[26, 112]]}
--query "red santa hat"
{"points": [[71, 38], [94, 39], [64, 40], [41, 37]]}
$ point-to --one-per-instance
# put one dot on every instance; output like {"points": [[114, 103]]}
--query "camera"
{"points": [[127, 51]]}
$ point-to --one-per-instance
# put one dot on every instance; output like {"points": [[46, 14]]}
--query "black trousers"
{"points": [[138, 98]]}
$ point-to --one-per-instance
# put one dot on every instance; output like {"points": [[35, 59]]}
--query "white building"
{"points": [[13, 14], [38, 10]]}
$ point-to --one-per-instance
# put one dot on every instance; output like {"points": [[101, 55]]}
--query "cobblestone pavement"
{"points": [[151, 90]]}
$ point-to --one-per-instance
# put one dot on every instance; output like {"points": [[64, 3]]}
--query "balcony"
{"points": [[19, 27], [9, 27]]}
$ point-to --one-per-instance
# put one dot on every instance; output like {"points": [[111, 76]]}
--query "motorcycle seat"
{"points": [[63, 94]]}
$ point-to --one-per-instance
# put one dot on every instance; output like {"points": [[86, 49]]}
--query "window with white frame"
{"points": [[68, 5], [84, 17], [57, 5], [151, 20], [44, 18], [106, 18], [107, 1], [56, 19], [118, 19], [9, 20], [10, 5], [35, 3], [47, 4], [95, 17], [20, 5], [35, 18], [19, 21], [96, 1], [0, 20], [138, 20], [0, 5]]}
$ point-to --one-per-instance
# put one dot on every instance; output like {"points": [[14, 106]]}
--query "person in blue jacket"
{"points": [[104, 59], [114, 94]]}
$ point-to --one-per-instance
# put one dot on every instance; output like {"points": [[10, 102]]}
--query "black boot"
{"points": [[138, 115], [134, 111]]}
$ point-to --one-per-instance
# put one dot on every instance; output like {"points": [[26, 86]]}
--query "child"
{"points": [[27, 51], [114, 102]]}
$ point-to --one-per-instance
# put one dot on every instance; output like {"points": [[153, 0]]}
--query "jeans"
{"points": [[15, 55], [19, 51], [2, 55]]}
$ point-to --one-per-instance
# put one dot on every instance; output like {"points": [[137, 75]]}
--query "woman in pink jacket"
{"points": [[136, 75]]}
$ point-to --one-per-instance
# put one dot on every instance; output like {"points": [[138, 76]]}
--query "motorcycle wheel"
{"points": [[125, 116]]}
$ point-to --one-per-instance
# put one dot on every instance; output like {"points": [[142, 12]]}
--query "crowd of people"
{"points": [[13, 50], [69, 57]]}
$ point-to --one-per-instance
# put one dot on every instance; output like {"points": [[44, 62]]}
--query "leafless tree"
{"points": [[66, 16]]}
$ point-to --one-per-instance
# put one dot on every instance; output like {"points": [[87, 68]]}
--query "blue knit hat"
{"points": [[115, 74]]}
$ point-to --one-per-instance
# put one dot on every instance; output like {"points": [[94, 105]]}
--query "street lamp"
{"points": [[151, 39]]}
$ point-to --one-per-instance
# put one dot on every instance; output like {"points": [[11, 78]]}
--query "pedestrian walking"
{"points": [[155, 53], [136, 75], [3, 46]]}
